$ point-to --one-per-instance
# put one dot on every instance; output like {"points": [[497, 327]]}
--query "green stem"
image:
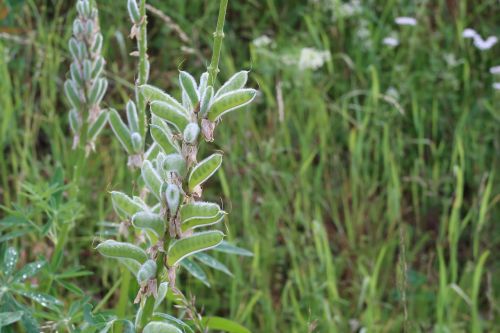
{"points": [[213, 69], [142, 45]]}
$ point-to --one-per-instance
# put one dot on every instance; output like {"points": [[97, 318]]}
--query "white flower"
{"points": [[405, 20], [262, 41], [496, 85], [391, 41], [450, 59], [347, 9], [313, 59], [482, 44], [495, 70], [392, 92], [469, 33]]}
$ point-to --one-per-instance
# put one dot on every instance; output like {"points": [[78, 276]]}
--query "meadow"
{"points": [[364, 177]]}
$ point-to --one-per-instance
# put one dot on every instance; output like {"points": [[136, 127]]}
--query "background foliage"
{"points": [[339, 180]]}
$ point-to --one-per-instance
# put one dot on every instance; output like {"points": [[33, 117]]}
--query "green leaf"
{"points": [[152, 94], [188, 84], [203, 83], [232, 249], [160, 327], [41, 298], [162, 293], [237, 81], [197, 222], [203, 170], [29, 270], [151, 178], [114, 249], [132, 118], [151, 221], [7, 318], [9, 260], [197, 242], [170, 114], [212, 262], [98, 125], [195, 270], [219, 323], [230, 101], [206, 99], [121, 130], [133, 11], [124, 206], [71, 90], [164, 138]]}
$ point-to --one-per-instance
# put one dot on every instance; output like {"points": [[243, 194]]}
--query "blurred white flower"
{"points": [[347, 9], [405, 20], [364, 34], [262, 41], [451, 59], [392, 92], [496, 85], [391, 41], [469, 33], [495, 70], [312, 58], [487, 44]]}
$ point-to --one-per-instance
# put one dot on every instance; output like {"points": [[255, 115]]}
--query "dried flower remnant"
{"points": [[405, 20], [311, 58]]}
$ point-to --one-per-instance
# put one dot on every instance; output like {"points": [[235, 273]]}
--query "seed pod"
{"points": [[163, 137], [95, 90], [160, 327], [172, 196], [77, 27], [230, 101], [191, 133], [152, 151], [237, 81], [147, 271], [76, 74], [206, 100], [203, 84], [170, 114], [73, 48], [133, 11], [187, 246], [200, 214], [121, 131], [86, 8], [72, 94], [123, 205], [97, 126], [87, 69], [136, 142], [74, 121], [173, 163], [89, 28], [133, 119], [152, 94], [151, 178], [151, 221], [98, 67], [97, 45], [114, 249], [188, 85], [102, 91], [82, 50], [79, 8], [203, 170]]}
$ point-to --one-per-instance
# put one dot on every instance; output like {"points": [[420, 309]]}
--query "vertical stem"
{"points": [[213, 69], [142, 45]]}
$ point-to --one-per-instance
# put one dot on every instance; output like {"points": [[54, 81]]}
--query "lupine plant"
{"points": [[85, 88], [175, 220]]}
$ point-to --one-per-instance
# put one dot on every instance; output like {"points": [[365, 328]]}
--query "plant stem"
{"points": [[213, 69], [142, 45]]}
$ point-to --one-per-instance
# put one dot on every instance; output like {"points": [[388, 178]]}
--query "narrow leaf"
{"points": [[170, 114], [203, 170], [230, 101], [114, 249], [151, 178], [121, 131], [237, 81], [197, 242]]}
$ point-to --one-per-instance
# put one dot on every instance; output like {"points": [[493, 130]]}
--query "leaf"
{"points": [[197, 242], [172, 319], [151, 178], [160, 327], [212, 262], [188, 84], [203, 83], [172, 163], [133, 11], [132, 118], [170, 114], [203, 170], [151, 221], [206, 99], [162, 293], [124, 206], [29, 270], [114, 249], [163, 136], [41, 298], [232, 249], [237, 81], [7, 318], [72, 94], [121, 131], [219, 323], [195, 270], [9, 261], [230, 101], [97, 125], [198, 222], [152, 94]]}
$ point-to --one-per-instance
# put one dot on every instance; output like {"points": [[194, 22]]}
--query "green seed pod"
{"points": [[86, 8], [237, 81], [151, 178], [205, 101], [136, 142], [98, 67], [79, 8], [114, 249], [173, 163], [188, 85], [151, 221], [123, 205], [200, 214], [97, 126], [160, 327], [94, 91], [191, 133], [82, 50], [203, 222], [74, 121], [77, 27], [133, 119], [203, 170], [231, 101], [163, 137], [87, 69], [72, 94], [121, 131], [187, 246], [133, 11], [170, 114], [76, 74], [147, 271], [102, 91], [152, 151], [172, 196], [73, 48], [97, 45], [89, 28], [203, 84], [152, 94]]}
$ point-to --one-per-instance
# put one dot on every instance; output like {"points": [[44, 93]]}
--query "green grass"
{"points": [[358, 207]]}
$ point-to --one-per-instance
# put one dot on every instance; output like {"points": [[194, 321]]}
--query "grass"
{"points": [[359, 207]]}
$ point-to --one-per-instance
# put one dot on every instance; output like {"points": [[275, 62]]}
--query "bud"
{"points": [[136, 142], [172, 196], [147, 271], [191, 133]]}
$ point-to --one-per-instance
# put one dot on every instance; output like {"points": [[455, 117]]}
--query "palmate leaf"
{"points": [[44, 300], [8, 318], [29, 270], [9, 261], [197, 242]]}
